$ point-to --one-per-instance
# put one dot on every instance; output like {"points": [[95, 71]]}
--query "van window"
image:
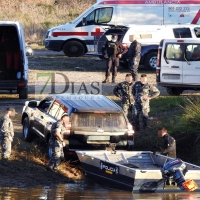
{"points": [[174, 52], [182, 33], [193, 52], [100, 15], [197, 31], [95, 121]]}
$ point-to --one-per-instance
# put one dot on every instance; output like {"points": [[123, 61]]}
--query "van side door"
{"points": [[171, 63], [191, 65]]}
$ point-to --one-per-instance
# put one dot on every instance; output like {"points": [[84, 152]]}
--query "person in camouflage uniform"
{"points": [[142, 94], [123, 90], [6, 134], [56, 142]]}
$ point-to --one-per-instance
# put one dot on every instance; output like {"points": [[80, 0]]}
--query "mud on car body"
{"points": [[95, 120]]}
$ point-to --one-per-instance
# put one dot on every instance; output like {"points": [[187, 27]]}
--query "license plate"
{"points": [[98, 137]]}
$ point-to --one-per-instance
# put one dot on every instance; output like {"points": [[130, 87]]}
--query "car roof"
{"points": [[88, 103]]}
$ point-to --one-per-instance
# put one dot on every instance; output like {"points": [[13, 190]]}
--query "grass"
{"points": [[181, 116]]}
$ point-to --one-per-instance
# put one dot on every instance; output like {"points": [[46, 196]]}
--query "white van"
{"points": [[149, 36], [178, 65], [13, 59], [79, 36]]}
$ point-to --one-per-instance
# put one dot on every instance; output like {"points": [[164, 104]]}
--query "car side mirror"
{"points": [[32, 104], [84, 21]]}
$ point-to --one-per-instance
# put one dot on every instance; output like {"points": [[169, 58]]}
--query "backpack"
{"points": [[113, 48]]}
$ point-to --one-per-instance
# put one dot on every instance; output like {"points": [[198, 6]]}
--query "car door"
{"points": [[40, 116], [171, 63], [191, 65]]}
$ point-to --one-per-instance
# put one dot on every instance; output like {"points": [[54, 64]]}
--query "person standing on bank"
{"points": [[142, 93], [56, 142], [134, 52], [169, 143], [112, 51], [7, 134], [123, 90]]}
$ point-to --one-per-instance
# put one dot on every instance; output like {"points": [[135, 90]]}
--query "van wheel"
{"points": [[73, 49], [150, 61], [174, 91], [27, 134], [23, 92]]}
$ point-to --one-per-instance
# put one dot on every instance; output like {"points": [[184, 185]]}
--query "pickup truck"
{"points": [[95, 120]]}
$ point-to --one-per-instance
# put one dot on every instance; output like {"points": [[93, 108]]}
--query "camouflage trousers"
{"points": [[6, 145], [143, 111], [57, 154], [127, 107]]}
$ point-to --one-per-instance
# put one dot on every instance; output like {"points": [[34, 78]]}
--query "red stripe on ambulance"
{"points": [[55, 34], [151, 2], [196, 18]]}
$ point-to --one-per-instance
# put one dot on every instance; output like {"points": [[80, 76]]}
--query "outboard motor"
{"points": [[174, 172]]}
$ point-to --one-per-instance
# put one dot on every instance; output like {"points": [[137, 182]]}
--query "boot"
{"points": [[50, 168], [113, 79], [106, 80]]}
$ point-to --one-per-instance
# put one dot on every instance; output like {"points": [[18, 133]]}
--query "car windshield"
{"points": [[104, 121]]}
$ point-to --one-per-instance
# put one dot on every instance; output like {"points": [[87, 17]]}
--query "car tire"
{"points": [[27, 134], [74, 49], [150, 61], [23, 92], [174, 91]]}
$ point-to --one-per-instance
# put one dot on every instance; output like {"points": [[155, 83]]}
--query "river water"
{"points": [[86, 190]]}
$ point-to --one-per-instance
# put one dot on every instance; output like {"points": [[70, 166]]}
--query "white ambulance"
{"points": [[80, 36], [178, 65]]}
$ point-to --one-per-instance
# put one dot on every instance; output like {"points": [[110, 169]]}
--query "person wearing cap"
{"points": [[134, 52], [113, 51], [169, 143], [6, 134], [57, 143]]}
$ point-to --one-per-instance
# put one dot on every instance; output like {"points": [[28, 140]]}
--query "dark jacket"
{"points": [[121, 49], [169, 146], [134, 51], [124, 90]]}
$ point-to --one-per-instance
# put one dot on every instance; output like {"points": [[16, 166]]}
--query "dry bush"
{"points": [[37, 16]]}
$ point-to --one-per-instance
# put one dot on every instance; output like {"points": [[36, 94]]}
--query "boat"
{"points": [[140, 171]]}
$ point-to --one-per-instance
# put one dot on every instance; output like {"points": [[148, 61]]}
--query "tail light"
{"points": [[189, 185], [130, 129], [158, 58]]}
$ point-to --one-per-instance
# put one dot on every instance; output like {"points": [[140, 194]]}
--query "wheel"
{"points": [[50, 151], [27, 134], [74, 49], [174, 91], [150, 61], [130, 145], [23, 92]]}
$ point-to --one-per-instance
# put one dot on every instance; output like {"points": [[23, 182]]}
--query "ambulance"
{"points": [[81, 35]]}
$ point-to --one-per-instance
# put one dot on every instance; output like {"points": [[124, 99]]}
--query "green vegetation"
{"points": [[181, 116]]}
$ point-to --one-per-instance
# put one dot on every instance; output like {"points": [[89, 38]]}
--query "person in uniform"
{"points": [[134, 52], [123, 90], [142, 93], [7, 134], [169, 143], [113, 51], [56, 142]]}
